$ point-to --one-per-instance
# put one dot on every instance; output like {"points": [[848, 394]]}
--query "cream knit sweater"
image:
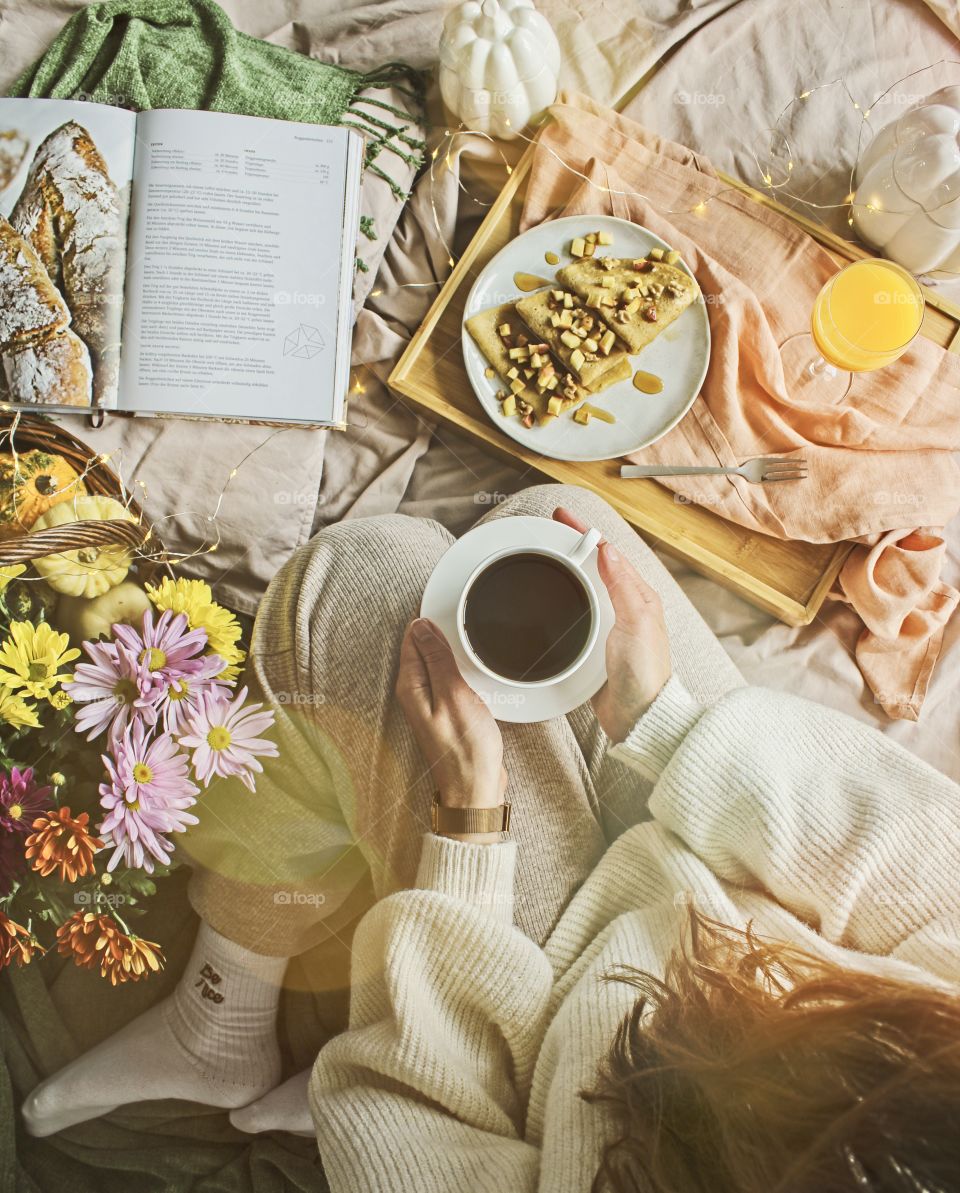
{"points": [[468, 1045]]}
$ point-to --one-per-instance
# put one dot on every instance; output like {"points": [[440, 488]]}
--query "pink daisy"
{"points": [[223, 737], [21, 800], [168, 649], [183, 695], [147, 795], [115, 690]]}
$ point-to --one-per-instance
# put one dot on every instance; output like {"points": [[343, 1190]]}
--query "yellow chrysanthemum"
{"points": [[195, 599], [15, 711], [10, 573], [33, 658], [61, 699]]}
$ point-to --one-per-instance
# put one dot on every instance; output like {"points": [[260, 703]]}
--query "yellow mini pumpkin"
{"points": [[84, 619], [30, 484], [89, 571]]}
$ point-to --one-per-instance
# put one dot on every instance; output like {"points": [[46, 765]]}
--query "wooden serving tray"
{"points": [[787, 579]]}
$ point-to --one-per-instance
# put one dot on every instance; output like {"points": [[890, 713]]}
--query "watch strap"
{"points": [[444, 820]]}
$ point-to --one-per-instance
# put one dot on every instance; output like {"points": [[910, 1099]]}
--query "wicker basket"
{"points": [[26, 434]]}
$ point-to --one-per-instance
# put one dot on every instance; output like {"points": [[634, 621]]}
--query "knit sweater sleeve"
{"points": [[427, 1089], [841, 825]]}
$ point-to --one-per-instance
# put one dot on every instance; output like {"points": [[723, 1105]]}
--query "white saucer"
{"points": [[512, 702]]}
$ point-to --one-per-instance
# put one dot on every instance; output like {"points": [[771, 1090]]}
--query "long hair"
{"points": [[755, 1067]]}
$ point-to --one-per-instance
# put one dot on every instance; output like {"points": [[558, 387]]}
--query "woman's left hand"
{"points": [[454, 729]]}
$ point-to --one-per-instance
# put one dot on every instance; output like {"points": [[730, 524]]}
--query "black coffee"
{"points": [[527, 617]]}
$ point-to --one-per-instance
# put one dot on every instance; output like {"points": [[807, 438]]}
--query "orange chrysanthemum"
{"points": [[97, 940], [64, 843], [16, 943]]}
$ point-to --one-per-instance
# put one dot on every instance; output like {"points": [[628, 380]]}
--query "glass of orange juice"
{"points": [[865, 317]]}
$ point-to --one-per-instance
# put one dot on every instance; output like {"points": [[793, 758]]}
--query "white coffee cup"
{"points": [[573, 560]]}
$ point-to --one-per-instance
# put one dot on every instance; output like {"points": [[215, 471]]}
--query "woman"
{"points": [[558, 1011]]}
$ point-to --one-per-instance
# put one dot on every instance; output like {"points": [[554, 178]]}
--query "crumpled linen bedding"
{"points": [[732, 66]]}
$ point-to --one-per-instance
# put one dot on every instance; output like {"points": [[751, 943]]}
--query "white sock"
{"points": [[285, 1108], [213, 1041]]}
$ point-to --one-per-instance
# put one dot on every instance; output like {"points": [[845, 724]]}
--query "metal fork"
{"points": [[763, 471]]}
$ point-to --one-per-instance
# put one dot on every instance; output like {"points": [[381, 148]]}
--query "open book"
{"points": [[176, 263]]}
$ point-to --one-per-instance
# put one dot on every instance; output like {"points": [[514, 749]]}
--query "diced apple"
{"points": [[509, 407]]}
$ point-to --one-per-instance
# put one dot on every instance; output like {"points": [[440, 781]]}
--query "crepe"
{"points": [[483, 327], [538, 311], [638, 289]]}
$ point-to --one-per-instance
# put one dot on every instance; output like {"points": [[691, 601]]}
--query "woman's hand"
{"points": [[454, 729], [638, 650]]}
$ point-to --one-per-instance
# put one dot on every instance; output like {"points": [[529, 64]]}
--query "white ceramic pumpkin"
{"points": [[499, 65], [907, 201]]}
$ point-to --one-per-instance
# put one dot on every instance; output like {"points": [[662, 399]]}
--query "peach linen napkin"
{"points": [[881, 469]]}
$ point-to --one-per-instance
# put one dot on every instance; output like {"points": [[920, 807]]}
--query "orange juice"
{"points": [[866, 316]]}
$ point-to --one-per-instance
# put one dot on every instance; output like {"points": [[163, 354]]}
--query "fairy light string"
{"points": [[442, 157]]}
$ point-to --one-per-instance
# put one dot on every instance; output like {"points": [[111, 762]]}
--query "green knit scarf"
{"points": [[144, 54]]}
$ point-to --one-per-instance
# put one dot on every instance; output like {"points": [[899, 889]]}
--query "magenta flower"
{"points": [[147, 796], [168, 649], [183, 695], [21, 800], [223, 737], [116, 691]]}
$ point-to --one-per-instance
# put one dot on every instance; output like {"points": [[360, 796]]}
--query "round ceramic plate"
{"points": [[679, 355], [512, 702]]}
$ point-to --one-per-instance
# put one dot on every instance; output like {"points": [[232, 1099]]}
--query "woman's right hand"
{"points": [[638, 650]]}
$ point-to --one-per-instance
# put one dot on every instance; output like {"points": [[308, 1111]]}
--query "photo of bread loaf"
{"points": [[13, 149], [61, 277]]}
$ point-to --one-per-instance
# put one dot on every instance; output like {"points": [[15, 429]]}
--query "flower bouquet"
{"points": [[105, 745]]}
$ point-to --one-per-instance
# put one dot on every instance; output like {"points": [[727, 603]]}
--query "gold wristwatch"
{"points": [[463, 821]]}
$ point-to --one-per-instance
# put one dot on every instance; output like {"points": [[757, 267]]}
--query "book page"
{"points": [[235, 304], [65, 172]]}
